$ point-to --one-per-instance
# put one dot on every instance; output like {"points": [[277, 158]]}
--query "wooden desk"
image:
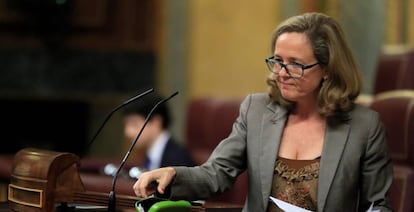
{"points": [[222, 206], [209, 207]]}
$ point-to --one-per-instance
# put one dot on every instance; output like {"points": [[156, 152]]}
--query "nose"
{"points": [[283, 72]]}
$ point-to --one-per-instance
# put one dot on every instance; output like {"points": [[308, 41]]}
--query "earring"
{"points": [[325, 77]]}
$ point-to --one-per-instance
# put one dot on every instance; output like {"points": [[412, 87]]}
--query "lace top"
{"points": [[295, 182]]}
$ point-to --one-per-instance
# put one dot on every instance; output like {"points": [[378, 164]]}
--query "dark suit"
{"points": [[354, 160], [175, 155]]}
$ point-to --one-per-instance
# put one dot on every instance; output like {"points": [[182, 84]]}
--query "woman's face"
{"points": [[294, 48]]}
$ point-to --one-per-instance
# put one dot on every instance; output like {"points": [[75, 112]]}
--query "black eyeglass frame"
{"points": [[303, 67]]}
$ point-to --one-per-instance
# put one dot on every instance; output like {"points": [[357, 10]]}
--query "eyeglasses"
{"points": [[294, 70]]}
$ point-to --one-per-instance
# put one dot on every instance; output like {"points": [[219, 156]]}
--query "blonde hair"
{"points": [[343, 82]]}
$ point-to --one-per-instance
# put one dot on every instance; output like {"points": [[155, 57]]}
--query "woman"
{"points": [[306, 142]]}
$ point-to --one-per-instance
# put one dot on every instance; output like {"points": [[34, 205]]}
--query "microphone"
{"points": [[112, 197], [114, 110]]}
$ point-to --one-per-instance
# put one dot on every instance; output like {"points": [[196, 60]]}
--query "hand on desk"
{"points": [[152, 181]]}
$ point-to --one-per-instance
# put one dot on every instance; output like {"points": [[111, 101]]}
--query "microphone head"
{"points": [[109, 169], [135, 172]]}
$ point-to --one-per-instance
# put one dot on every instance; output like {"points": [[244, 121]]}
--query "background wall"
{"points": [[228, 43]]}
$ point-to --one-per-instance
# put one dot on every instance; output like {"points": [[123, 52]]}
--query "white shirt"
{"points": [[157, 149]]}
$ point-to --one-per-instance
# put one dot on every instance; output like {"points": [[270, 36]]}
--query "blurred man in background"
{"points": [[155, 147]]}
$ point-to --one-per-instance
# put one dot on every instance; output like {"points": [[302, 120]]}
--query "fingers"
{"points": [[147, 183], [163, 183], [165, 180], [143, 187], [161, 189]]}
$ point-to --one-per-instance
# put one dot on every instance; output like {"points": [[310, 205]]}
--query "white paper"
{"points": [[140, 208], [287, 207], [371, 210]]}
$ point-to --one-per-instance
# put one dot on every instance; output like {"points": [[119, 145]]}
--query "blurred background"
{"points": [[65, 64]]}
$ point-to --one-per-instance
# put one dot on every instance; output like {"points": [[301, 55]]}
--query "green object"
{"points": [[171, 206], [165, 206]]}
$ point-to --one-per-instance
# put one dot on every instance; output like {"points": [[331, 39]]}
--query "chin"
{"points": [[289, 95]]}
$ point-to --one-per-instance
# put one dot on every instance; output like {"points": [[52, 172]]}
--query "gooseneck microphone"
{"points": [[112, 196], [114, 110]]}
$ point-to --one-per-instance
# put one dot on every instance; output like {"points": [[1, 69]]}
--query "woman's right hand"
{"points": [[152, 181]]}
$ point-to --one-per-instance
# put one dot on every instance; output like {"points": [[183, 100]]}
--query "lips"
{"points": [[284, 83]]}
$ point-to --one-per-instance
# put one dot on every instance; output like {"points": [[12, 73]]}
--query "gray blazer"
{"points": [[354, 166]]}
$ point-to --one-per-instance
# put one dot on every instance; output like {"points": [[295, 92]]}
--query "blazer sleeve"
{"points": [[220, 171], [376, 170]]}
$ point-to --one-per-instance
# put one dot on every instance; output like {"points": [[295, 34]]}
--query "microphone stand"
{"points": [[112, 195], [114, 110]]}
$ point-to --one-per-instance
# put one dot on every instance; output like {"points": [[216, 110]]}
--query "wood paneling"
{"points": [[92, 24]]}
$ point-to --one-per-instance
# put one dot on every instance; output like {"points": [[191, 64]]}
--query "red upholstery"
{"points": [[395, 71], [209, 120], [198, 127], [396, 109], [6, 162], [402, 189], [5, 172], [397, 112]]}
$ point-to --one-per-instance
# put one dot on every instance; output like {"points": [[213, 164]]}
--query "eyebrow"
{"points": [[294, 59]]}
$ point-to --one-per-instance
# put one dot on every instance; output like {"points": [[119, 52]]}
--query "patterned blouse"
{"points": [[295, 182]]}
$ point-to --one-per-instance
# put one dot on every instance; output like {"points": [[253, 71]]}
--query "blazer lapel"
{"points": [[335, 139], [273, 122]]}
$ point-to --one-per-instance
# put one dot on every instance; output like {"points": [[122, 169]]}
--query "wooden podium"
{"points": [[41, 179]]}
